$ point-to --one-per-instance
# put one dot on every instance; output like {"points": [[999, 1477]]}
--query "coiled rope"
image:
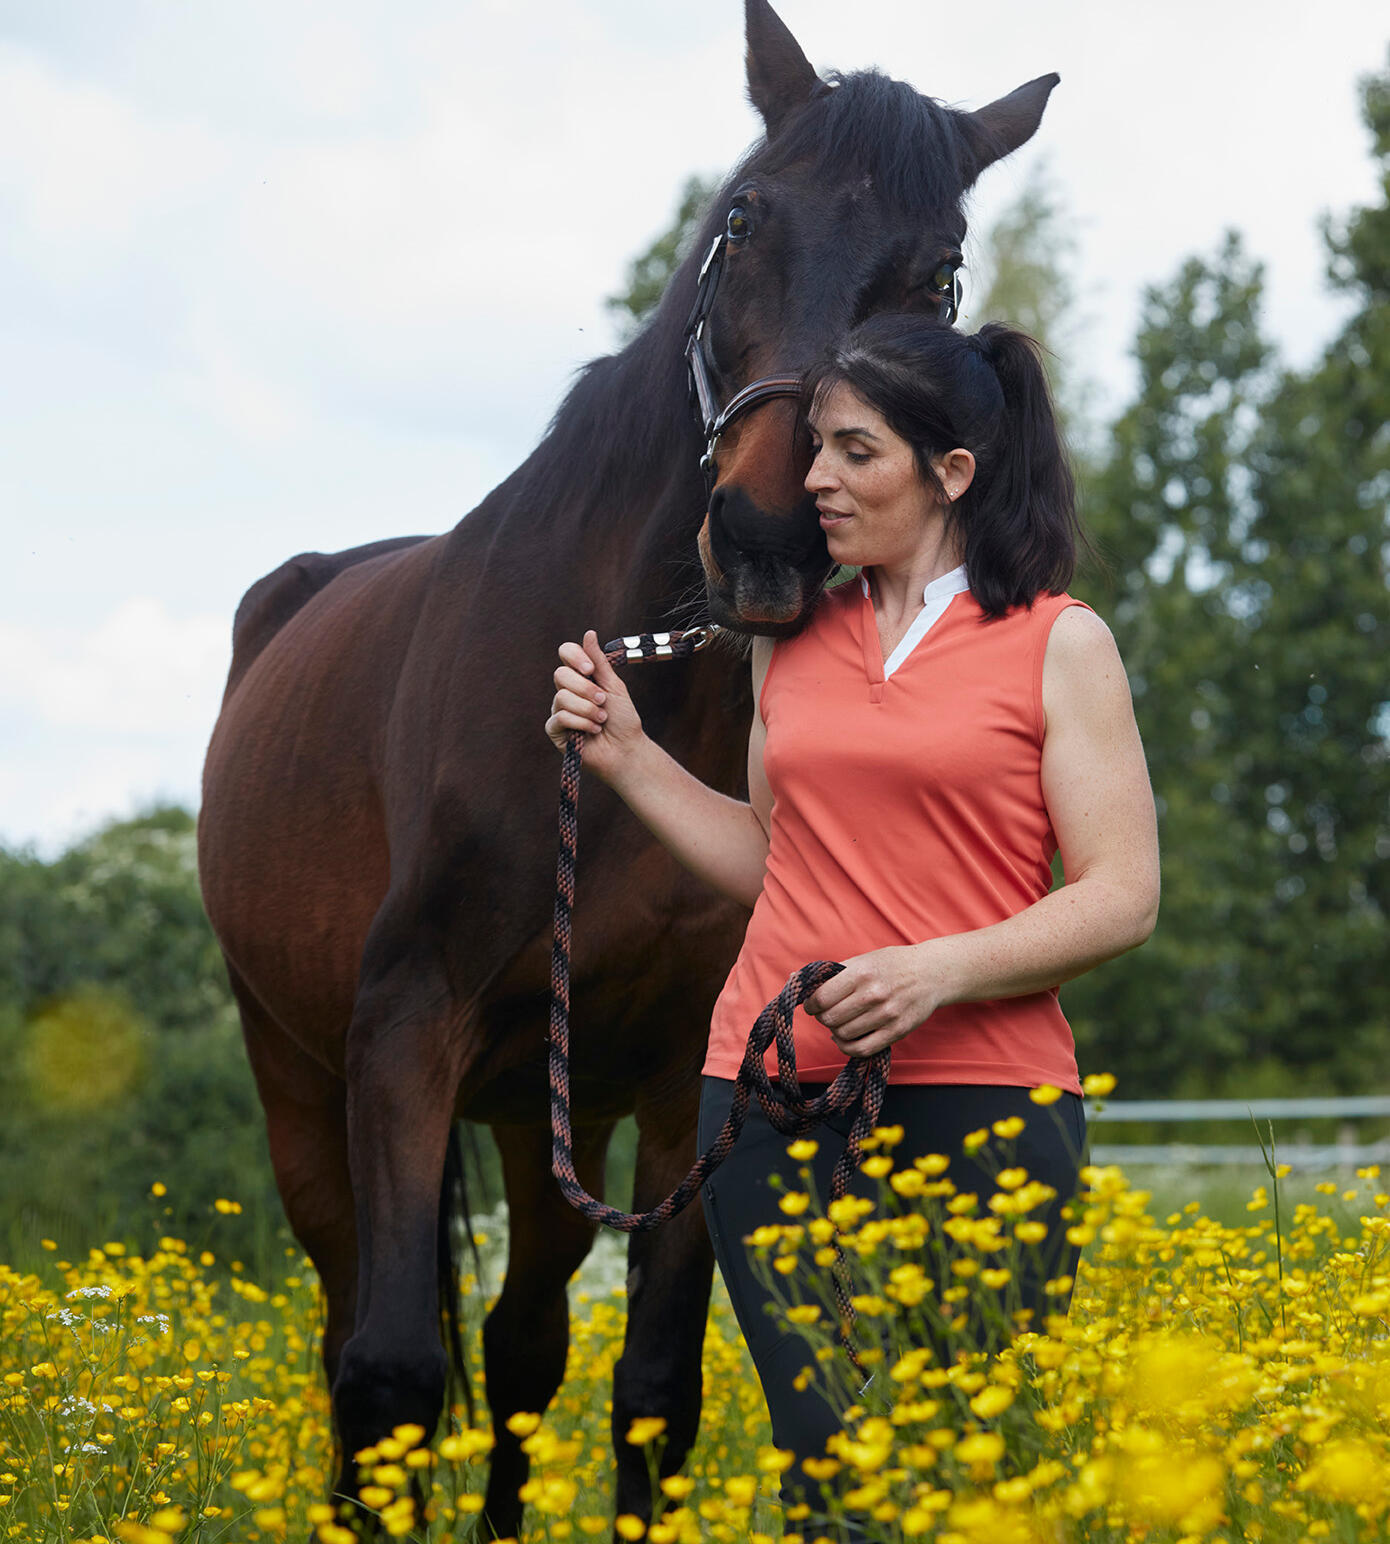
{"points": [[859, 1086]]}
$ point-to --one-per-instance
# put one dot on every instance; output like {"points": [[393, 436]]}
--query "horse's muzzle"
{"points": [[763, 572]]}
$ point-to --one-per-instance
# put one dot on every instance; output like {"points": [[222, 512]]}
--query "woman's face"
{"points": [[874, 506]]}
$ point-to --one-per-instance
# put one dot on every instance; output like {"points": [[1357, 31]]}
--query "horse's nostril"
{"points": [[723, 537]]}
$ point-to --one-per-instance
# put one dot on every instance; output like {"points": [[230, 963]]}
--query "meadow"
{"points": [[1214, 1380]]}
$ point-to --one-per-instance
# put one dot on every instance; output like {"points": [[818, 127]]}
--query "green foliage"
{"points": [[1029, 254], [648, 275], [1244, 512], [116, 1020]]}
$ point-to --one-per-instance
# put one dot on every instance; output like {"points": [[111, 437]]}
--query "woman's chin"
{"points": [[842, 550]]}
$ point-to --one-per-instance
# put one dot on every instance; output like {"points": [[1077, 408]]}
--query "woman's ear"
{"points": [[956, 469]]}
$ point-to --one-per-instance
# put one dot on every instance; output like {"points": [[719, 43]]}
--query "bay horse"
{"points": [[377, 833]]}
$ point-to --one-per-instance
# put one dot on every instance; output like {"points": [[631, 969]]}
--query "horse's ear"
{"points": [[780, 77], [1000, 128]]}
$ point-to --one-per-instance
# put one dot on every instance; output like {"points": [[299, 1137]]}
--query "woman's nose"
{"points": [[819, 476]]}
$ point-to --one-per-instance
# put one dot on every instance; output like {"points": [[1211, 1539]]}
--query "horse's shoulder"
{"points": [[270, 603]]}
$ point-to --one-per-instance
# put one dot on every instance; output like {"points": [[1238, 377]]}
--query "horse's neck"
{"points": [[614, 488]]}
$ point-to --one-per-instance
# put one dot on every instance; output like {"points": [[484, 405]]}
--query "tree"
{"points": [[1026, 262], [1244, 512], [123, 1047], [1309, 589]]}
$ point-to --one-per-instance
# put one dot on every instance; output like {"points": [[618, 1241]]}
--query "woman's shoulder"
{"points": [[1082, 662], [1042, 613], [1074, 628]]}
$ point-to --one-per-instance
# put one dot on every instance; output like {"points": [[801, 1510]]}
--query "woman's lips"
{"points": [[831, 517]]}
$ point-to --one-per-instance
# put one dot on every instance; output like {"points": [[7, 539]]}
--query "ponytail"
{"points": [[1021, 529], [939, 389]]}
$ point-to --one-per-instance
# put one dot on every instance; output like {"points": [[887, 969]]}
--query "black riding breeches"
{"points": [[935, 1118]]}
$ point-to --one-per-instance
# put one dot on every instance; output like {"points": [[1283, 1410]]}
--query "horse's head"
{"points": [[850, 205]]}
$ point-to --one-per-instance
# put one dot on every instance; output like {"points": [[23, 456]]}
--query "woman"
{"points": [[918, 753]]}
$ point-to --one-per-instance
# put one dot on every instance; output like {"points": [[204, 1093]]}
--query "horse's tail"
{"points": [[453, 1204]]}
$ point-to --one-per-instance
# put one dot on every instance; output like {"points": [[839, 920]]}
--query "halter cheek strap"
{"points": [[714, 420]]}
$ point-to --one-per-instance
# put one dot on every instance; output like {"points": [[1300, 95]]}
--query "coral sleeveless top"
{"points": [[905, 808]]}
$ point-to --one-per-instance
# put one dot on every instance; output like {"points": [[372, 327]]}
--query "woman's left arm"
{"points": [[1096, 788]]}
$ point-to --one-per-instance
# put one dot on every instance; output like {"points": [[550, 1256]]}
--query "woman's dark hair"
{"points": [[987, 392]]}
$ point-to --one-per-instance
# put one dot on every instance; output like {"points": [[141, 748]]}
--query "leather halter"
{"points": [[714, 420]]}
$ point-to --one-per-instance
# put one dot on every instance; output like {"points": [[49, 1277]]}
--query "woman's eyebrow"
{"points": [[863, 434]]}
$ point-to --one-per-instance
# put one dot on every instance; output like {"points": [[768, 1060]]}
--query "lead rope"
{"points": [[860, 1083]]}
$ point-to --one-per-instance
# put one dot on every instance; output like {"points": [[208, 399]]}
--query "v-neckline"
{"points": [[871, 645]]}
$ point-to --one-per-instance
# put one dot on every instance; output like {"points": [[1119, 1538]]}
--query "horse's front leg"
{"points": [[526, 1337], [668, 1286], [406, 1051]]}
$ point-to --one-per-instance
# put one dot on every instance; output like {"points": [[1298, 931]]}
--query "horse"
{"points": [[377, 826]]}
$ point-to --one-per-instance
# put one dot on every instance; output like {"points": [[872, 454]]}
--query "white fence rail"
{"points": [[1293, 1147]]}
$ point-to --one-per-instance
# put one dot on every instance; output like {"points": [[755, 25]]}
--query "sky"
{"points": [[279, 275]]}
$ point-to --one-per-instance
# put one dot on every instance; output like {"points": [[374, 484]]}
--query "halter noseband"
{"points": [[714, 420]]}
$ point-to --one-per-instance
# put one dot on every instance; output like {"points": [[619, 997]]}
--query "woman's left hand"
{"points": [[880, 997]]}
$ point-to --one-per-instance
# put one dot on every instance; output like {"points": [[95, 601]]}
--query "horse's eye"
{"points": [[740, 226], [944, 278]]}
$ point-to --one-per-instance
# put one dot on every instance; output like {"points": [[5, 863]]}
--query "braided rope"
{"points": [[859, 1086]]}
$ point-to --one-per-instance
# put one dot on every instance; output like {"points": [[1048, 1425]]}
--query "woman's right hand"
{"points": [[590, 696]]}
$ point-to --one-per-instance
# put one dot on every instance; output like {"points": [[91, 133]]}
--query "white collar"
{"points": [[935, 599], [948, 584]]}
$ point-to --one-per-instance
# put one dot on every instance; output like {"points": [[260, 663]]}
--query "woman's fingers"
{"points": [[604, 673], [870, 1045], [830, 993], [579, 705], [568, 679], [559, 724], [591, 697], [847, 1021], [576, 657], [861, 1024], [588, 663]]}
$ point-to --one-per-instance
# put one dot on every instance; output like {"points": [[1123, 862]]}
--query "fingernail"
{"points": [[600, 697]]}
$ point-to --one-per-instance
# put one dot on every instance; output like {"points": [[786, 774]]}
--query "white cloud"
{"points": [[138, 672]]}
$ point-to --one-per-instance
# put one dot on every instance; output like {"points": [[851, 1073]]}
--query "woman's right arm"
{"points": [[722, 840]]}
